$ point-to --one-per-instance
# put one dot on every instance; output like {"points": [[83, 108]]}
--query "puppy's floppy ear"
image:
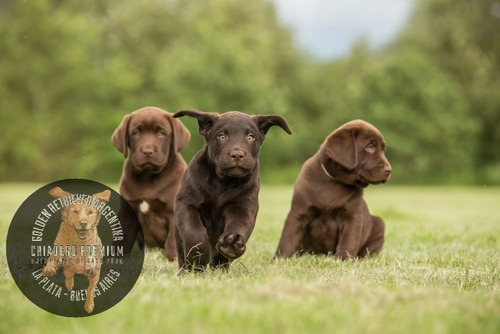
{"points": [[57, 192], [341, 147], [265, 122], [180, 135], [102, 196], [205, 120], [120, 136]]}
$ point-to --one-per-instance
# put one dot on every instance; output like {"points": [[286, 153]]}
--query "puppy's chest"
{"points": [[212, 218], [334, 199], [330, 205], [219, 193], [150, 207]]}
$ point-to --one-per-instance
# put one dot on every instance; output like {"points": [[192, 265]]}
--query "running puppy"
{"points": [[79, 230], [328, 213], [217, 203]]}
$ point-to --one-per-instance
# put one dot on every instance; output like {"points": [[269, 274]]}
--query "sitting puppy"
{"points": [[217, 203], [151, 176], [79, 230], [328, 213]]}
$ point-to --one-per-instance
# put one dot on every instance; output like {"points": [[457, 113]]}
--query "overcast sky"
{"points": [[327, 28]]}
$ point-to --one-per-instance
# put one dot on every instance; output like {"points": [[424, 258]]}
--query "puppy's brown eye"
{"points": [[91, 212], [250, 137], [135, 133], [370, 148], [75, 211], [222, 136], [161, 133]]}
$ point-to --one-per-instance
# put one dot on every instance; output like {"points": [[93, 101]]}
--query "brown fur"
{"points": [[328, 213], [78, 228], [217, 203], [151, 139]]}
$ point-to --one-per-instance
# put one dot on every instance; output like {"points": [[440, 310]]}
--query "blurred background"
{"points": [[426, 73]]}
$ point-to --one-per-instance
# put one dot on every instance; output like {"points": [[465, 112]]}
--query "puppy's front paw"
{"points": [[89, 305], [231, 245], [344, 254], [49, 270]]}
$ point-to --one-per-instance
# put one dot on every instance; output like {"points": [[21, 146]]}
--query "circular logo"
{"points": [[72, 250]]}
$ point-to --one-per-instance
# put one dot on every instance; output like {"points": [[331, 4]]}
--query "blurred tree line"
{"points": [[70, 70]]}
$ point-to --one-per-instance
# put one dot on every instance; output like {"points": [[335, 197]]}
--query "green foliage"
{"points": [[462, 39], [422, 112], [71, 70]]}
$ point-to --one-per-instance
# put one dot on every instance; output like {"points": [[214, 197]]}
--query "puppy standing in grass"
{"points": [[151, 140], [217, 203], [78, 229], [329, 214]]}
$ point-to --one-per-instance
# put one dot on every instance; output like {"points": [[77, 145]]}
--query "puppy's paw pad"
{"points": [[231, 246]]}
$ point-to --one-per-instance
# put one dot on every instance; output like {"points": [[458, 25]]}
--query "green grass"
{"points": [[439, 272]]}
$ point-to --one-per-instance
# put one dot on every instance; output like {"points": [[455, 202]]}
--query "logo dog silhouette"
{"points": [[78, 239]]}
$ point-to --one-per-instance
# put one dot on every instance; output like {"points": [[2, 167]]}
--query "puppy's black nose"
{"points": [[83, 224], [237, 155]]}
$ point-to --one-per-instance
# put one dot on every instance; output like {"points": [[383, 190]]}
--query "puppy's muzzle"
{"points": [[237, 155], [387, 170], [83, 232], [148, 152]]}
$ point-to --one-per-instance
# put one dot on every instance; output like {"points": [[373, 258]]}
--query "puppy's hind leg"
{"points": [[69, 274], [170, 245], [293, 233], [376, 240], [89, 302]]}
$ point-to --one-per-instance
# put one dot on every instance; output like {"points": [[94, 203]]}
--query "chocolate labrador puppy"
{"points": [[151, 139], [217, 203], [328, 213]]}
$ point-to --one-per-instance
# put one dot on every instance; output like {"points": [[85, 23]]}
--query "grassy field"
{"points": [[439, 272]]}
